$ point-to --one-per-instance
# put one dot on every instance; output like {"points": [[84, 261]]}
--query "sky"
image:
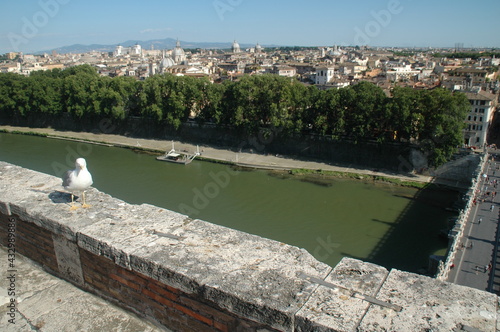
{"points": [[36, 25]]}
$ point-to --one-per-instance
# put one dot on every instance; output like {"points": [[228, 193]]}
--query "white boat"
{"points": [[178, 157]]}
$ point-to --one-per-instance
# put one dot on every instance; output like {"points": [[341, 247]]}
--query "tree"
{"points": [[404, 114], [329, 118], [13, 98], [210, 103], [443, 115]]}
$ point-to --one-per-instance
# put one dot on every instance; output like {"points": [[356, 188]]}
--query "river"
{"points": [[393, 226]]}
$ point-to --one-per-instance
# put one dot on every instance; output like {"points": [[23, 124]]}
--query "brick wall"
{"points": [[31, 241], [165, 305]]}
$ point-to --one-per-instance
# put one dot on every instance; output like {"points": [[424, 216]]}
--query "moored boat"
{"points": [[178, 157]]}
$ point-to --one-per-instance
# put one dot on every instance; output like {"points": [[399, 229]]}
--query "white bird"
{"points": [[78, 179]]}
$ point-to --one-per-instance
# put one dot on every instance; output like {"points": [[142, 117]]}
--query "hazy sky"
{"points": [[33, 25]]}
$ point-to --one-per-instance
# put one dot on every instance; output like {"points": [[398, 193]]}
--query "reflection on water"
{"points": [[389, 225]]}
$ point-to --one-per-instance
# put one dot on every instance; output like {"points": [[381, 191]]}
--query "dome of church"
{"points": [[236, 47], [178, 53], [167, 62], [336, 51]]}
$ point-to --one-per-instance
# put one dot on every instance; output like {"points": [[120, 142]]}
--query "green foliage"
{"points": [[358, 176], [466, 55], [255, 105]]}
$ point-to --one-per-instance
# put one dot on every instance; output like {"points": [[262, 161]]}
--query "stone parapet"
{"points": [[190, 275]]}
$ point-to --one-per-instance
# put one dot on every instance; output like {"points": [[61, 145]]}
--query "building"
{"points": [[324, 75], [471, 75], [466, 78], [133, 50], [404, 72], [478, 120], [12, 55], [286, 71], [14, 67]]}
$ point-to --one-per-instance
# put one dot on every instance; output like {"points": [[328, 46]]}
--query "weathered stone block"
{"points": [[336, 309], [68, 259], [430, 305]]}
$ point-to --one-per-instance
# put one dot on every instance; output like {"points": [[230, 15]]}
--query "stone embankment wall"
{"points": [[190, 275], [459, 172], [371, 155]]}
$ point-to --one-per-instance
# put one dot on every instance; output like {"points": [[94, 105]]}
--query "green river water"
{"points": [[393, 226]]}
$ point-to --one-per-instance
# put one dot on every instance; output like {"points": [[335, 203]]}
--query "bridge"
{"points": [[476, 262]]}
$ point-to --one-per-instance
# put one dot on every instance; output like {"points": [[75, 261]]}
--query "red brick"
{"points": [[115, 292], [130, 275], [221, 327], [158, 288], [102, 286], [35, 254], [99, 264], [36, 240], [42, 236], [125, 282], [194, 315], [27, 245], [172, 289], [148, 303], [94, 275], [145, 277], [209, 311], [157, 298]]}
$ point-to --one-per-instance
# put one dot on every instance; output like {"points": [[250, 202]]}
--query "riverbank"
{"points": [[241, 159]]}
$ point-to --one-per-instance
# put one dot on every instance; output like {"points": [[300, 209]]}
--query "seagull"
{"points": [[78, 179]]}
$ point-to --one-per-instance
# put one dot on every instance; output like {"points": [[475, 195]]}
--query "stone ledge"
{"points": [[249, 276], [431, 305], [329, 309]]}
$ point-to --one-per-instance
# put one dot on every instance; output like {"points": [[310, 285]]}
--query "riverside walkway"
{"points": [[245, 158], [477, 263]]}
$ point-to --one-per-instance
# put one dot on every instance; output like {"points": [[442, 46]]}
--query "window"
{"points": [[481, 119]]}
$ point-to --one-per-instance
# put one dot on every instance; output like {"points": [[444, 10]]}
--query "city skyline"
{"points": [[49, 24]]}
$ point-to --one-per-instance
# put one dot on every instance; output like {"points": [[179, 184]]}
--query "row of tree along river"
{"points": [[265, 105]]}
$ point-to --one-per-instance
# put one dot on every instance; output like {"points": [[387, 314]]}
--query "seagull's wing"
{"points": [[66, 178]]}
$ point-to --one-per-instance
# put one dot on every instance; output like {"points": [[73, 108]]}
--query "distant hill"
{"points": [[159, 44]]}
